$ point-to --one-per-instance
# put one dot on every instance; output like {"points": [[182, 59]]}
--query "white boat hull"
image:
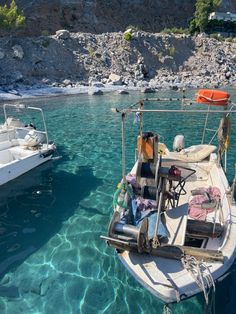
{"points": [[174, 220], [17, 167], [166, 278], [22, 146]]}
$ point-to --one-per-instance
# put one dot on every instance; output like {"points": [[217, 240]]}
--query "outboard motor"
{"points": [[32, 138], [178, 143]]}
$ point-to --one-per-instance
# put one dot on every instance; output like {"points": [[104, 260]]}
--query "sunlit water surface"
{"points": [[52, 259]]}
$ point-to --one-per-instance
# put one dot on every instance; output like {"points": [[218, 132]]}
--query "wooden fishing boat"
{"points": [[174, 220]]}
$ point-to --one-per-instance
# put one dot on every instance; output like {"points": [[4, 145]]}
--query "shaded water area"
{"points": [[52, 259]]}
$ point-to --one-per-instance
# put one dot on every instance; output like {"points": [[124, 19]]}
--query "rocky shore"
{"points": [[92, 62]]}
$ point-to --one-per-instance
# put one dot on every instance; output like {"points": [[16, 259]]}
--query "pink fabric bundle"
{"points": [[131, 178], [145, 204], [195, 209]]}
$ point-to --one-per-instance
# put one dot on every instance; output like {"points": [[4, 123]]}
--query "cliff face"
{"points": [[98, 16]]}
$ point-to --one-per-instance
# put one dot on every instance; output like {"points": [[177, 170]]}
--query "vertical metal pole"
{"points": [[5, 117], [44, 122], [141, 106], [159, 198], [183, 98], [123, 148], [225, 160], [233, 187]]}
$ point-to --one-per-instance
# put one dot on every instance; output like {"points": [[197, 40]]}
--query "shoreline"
{"points": [[49, 92], [78, 63], [35, 92]]}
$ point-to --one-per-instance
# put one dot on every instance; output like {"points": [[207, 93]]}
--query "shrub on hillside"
{"points": [[11, 17], [203, 9], [175, 30]]}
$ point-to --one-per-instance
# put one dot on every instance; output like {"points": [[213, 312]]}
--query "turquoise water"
{"points": [[52, 259]]}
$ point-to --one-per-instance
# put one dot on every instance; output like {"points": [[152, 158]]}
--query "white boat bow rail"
{"points": [[25, 107]]}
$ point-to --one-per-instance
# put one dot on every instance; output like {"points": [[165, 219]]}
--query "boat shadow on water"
{"points": [[33, 209]]}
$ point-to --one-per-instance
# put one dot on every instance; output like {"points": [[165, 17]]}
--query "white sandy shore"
{"points": [[35, 92]]}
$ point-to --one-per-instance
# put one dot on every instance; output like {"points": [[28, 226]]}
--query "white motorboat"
{"points": [[174, 220], [22, 147]]}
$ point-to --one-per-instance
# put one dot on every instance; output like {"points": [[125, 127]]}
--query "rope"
{"points": [[167, 309], [203, 278], [123, 188], [224, 134]]}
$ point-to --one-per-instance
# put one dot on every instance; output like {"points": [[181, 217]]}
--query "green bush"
{"points": [[91, 52], [172, 51], [11, 17], [128, 34], [217, 36], [175, 30]]}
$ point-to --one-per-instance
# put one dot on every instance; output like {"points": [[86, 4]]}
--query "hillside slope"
{"points": [[148, 59]]}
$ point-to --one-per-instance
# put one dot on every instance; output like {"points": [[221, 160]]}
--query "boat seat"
{"points": [[6, 156], [5, 144], [194, 153], [176, 223]]}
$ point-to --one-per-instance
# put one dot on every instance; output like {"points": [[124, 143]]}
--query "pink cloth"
{"points": [[195, 209], [145, 204], [131, 178]]}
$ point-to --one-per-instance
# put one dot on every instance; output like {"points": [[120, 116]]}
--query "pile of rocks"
{"points": [[146, 61]]}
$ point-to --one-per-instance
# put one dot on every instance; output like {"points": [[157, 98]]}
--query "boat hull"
{"points": [[168, 279], [20, 166]]}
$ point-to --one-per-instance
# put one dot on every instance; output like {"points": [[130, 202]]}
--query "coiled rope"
{"points": [[203, 278]]}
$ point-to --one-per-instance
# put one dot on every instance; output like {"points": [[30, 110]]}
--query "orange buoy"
{"points": [[213, 97]]}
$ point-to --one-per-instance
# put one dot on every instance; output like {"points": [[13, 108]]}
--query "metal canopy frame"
{"points": [[25, 107], [183, 100]]}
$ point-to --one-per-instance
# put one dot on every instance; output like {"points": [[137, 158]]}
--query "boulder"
{"points": [[46, 81], [95, 92], [63, 34], [18, 52], [67, 82], [122, 92], [148, 90], [96, 84], [228, 75], [115, 79]]}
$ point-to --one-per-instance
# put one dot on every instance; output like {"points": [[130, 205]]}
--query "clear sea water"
{"points": [[52, 258]]}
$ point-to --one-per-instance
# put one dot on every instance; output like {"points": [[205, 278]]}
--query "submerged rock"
{"points": [[148, 90], [95, 92], [122, 92]]}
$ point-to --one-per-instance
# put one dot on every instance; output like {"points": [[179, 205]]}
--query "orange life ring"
{"points": [[213, 97]]}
